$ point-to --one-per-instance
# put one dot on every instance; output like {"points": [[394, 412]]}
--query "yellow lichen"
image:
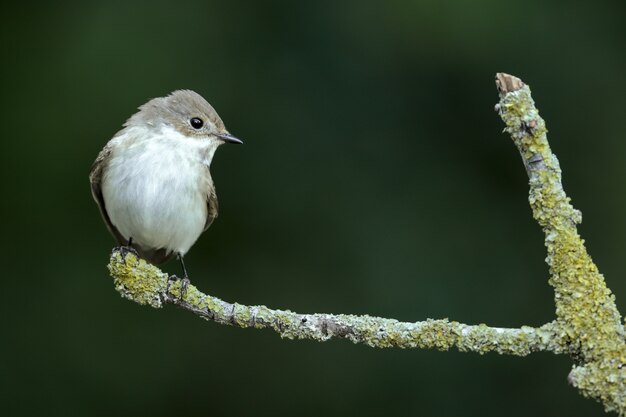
{"points": [[585, 308], [137, 280]]}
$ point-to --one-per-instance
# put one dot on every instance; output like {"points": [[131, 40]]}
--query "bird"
{"points": [[152, 182]]}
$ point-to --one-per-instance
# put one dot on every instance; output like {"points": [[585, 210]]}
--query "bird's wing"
{"points": [[95, 177], [212, 208]]}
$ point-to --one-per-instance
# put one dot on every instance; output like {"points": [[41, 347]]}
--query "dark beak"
{"points": [[228, 138]]}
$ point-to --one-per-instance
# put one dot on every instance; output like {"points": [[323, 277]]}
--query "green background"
{"points": [[374, 179]]}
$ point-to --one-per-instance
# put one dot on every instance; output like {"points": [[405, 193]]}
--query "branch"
{"points": [[585, 308], [587, 327], [143, 283]]}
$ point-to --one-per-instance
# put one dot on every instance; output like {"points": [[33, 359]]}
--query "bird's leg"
{"points": [[128, 248], [185, 283], [182, 264], [184, 280]]}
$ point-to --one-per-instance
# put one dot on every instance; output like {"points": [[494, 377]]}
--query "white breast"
{"points": [[155, 187]]}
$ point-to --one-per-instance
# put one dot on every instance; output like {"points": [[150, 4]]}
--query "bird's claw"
{"points": [[184, 284], [125, 250]]}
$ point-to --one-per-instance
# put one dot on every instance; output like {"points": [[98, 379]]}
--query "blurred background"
{"points": [[375, 178]]}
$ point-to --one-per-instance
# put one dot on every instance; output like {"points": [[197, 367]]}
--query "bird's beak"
{"points": [[228, 138]]}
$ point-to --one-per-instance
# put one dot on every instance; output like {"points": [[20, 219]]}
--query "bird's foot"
{"points": [[125, 250], [184, 283]]}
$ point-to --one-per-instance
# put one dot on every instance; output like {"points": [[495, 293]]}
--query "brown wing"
{"points": [[95, 177], [212, 208]]}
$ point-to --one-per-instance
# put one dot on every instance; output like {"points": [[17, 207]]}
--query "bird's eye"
{"points": [[196, 122]]}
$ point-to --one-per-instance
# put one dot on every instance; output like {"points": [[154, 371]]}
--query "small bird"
{"points": [[152, 180]]}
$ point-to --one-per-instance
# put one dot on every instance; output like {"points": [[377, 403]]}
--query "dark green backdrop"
{"points": [[374, 179]]}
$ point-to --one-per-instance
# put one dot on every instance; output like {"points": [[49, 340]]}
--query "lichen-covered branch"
{"points": [[139, 281], [587, 317], [587, 327]]}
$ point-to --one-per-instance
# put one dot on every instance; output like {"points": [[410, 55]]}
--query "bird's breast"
{"points": [[155, 191]]}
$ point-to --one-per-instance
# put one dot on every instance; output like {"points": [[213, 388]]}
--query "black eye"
{"points": [[196, 123]]}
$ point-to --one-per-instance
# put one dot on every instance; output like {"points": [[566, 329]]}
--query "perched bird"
{"points": [[152, 180]]}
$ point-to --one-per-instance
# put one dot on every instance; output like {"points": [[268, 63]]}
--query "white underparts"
{"points": [[155, 187]]}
